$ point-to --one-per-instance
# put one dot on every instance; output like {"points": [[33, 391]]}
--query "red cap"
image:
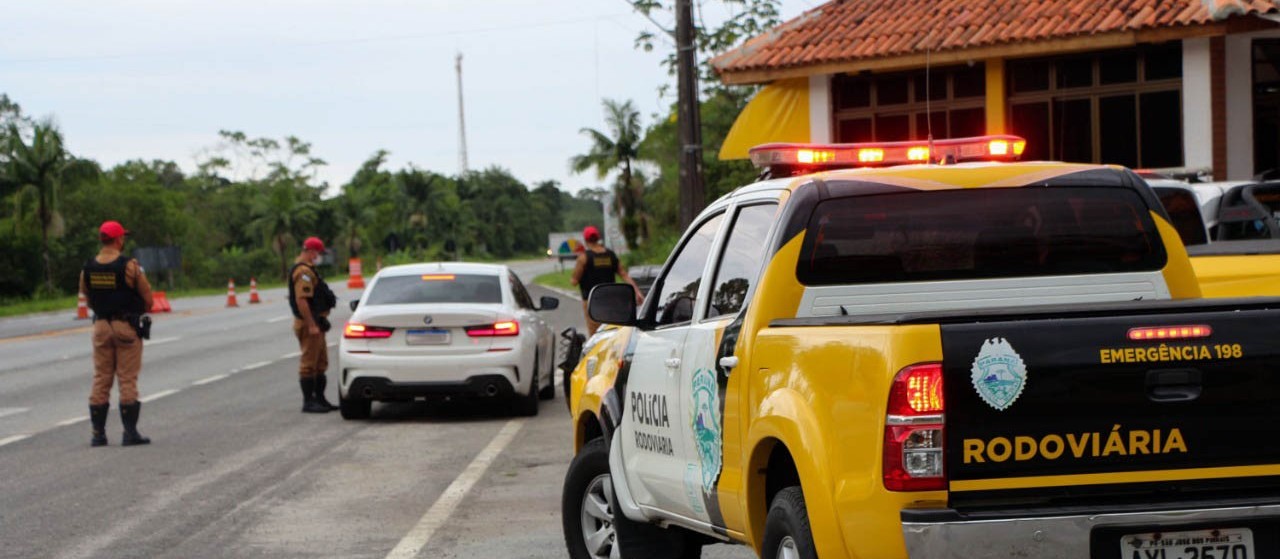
{"points": [[313, 243], [111, 230], [591, 234]]}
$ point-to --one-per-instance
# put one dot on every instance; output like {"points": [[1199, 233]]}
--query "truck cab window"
{"points": [[740, 263], [678, 290]]}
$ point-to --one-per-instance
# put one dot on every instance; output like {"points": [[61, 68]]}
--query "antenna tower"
{"points": [[462, 122]]}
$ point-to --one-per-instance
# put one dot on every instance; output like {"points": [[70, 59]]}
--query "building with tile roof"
{"points": [[1191, 84]]}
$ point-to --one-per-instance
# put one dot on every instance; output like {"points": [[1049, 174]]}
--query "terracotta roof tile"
{"points": [[850, 30]]}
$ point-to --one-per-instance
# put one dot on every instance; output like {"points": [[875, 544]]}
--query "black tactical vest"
{"points": [[109, 295], [602, 267], [322, 298]]}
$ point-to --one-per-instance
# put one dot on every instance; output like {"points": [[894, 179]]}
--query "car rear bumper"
{"points": [[481, 386], [945, 533], [443, 371]]}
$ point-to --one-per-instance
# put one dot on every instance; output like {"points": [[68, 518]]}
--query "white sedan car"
{"points": [[446, 329]]}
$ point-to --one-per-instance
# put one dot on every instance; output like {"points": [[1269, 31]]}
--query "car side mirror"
{"points": [[612, 303], [355, 303], [548, 304]]}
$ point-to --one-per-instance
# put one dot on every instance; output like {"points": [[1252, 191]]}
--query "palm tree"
{"points": [[614, 152], [37, 169], [282, 211]]}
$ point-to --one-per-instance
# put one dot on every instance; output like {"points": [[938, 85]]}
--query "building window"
{"points": [[1122, 106], [1266, 107], [903, 106]]}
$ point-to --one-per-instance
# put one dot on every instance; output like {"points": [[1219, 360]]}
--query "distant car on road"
{"points": [[644, 276], [446, 330]]}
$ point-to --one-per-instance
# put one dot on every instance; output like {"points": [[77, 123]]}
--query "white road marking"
{"points": [[72, 421], [291, 355], [253, 366], [6, 412], [13, 439], [280, 319], [158, 395], [416, 539], [164, 340], [208, 380]]}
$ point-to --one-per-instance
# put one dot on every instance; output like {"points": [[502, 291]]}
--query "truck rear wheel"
{"points": [[786, 529]]}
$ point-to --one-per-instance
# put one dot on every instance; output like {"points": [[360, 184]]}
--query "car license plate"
{"points": [[1223, 543], [430, 336]]}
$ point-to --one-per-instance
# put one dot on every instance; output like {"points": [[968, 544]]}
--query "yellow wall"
{"points": [[995, 96]]}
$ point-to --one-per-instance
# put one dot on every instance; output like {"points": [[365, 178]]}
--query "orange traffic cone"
{"points": [[231, 293], [356, 278], [253, 291], [82, 307], [159, 302]]}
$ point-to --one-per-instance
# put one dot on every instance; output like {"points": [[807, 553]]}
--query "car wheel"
{"points": [[586, 505], [786, 530], [548, 392], [527, 404], [354, 407]]}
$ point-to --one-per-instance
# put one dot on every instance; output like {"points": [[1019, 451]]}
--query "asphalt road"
{"points": [[234, 470]]}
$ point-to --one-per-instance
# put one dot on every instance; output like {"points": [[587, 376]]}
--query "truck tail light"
{"points": [[913, 431], [504, 328], [358, 331], [1158, 333]]}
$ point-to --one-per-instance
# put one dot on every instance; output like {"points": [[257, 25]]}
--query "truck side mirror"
{"points": [[548, 303], [612, 303]]}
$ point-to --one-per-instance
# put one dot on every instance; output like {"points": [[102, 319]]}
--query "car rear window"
{"points": [[978, 234], [436, 288]]}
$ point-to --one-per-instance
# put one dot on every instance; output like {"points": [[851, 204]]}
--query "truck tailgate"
{"points": [[1055, 411]]}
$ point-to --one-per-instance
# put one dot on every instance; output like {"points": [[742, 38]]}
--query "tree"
{"points": [[280, 215], [616, 151], [747, 18], [37, 168]]}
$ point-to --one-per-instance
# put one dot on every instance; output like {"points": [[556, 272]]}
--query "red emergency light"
{"points": [[823, 157]]}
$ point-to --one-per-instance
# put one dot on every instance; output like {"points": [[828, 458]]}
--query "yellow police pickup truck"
{"points": [[860, 358], [1231, 231]]}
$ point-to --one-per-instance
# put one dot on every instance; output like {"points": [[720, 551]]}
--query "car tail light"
{"points": [[1170, 332], [913, 431], [504, 328], [356, 330]]}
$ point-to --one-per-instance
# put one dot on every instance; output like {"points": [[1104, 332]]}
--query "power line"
{"points": [[337, 42]]}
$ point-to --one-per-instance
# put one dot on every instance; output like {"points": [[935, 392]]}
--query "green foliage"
{"points": [[616, 151], [747, 18]]}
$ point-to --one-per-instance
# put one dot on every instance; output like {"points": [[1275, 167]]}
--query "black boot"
{"points": [[98, 417], [129, 417], [321, 382], [309, 403]]}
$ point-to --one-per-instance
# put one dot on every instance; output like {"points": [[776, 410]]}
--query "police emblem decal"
{"points": [[999, 374], [706, 425]]}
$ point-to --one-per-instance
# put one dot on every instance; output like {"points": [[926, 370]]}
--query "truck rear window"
{"points": [[978, 234]]}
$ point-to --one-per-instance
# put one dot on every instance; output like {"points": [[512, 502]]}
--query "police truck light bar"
{"points": [[823, 157]]}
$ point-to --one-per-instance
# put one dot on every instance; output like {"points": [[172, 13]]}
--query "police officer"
{"points": [[598, 265], [311, 299], [119, 295]]}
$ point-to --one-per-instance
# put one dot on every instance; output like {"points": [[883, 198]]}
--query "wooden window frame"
{"points": [[912, 107]]}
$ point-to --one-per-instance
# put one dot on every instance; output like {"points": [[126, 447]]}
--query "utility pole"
{"points": [[462, 123], [690, 119]]}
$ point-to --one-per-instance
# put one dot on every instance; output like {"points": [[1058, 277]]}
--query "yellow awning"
{"points": [[778, 113]]}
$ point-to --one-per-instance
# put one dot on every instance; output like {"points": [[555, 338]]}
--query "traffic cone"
{"points": [[159, 302], [231, 293], [253, 291], [82, 307], [355, 279]]}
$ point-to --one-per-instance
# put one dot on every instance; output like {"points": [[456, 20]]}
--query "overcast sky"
{"points": [[157, 79]]}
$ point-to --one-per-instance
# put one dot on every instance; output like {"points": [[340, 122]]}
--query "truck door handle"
{"points": [[728, 362], [1173, 385], [673, 363]]}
